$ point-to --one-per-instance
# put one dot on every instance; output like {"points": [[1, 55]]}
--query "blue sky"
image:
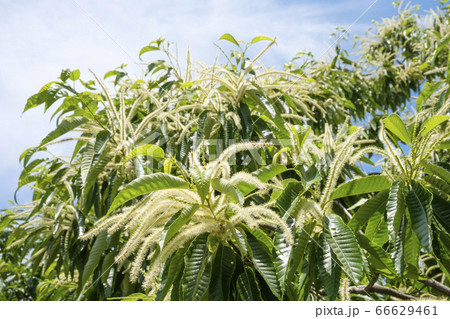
{"points": [[39, 38]]}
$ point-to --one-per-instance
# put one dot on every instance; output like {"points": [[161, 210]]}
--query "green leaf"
{"points": [[395, 215], [261, 237], [264, 264], [444, 250], [64, 75], [111, 73], [342, 241], [432, 122], [395, 210], [442, 44], [86, 160], [441, 209], [147, 184], [202, 180], [264, 174], [261, 38], [98, 168], [376, 252], [94, 257], [418, 201], [363, 214], [108, 272], [395, 124], [146, 150], [447, 78], [281, 252], [38, 98], [433, 169], [397, 248], [171, 272], [223, 186], [176, 222], [101, 139], [197, 273], [437, 185], [268, 172], [247, 286], [310, 176], [147, 49], [230, 38], [296, 257], [377, 229], [65, 126], [427, 90], [412, 249], [290, 198], [329, 269], [444, 145], [75, 75], [222, 272], [369, 184]]}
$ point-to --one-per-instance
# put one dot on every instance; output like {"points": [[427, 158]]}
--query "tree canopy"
{"points": [[325, 180]]}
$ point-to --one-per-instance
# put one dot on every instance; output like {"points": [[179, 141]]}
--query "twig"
{"points": [[381, 290], [436, 285]]}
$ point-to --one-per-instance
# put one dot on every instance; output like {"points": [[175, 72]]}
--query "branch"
{"points": [[436, 285], [381, 290]]}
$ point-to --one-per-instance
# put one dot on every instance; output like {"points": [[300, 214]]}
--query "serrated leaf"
{"points": [[176, 222], [223, 186], [442, 44], [396, 126], [441, 209], [397, 247], [94, 256], [151, 150], [290, 198], [309, 176], [363, 214], [98, 168], [86, 160], [65, 126], [433, 169], [444, 145], [75, 75], [261, 38], [247, 286], [427, 90], [395, 210], [172, 271], [281, 252], [197, 273], [363, 185], [147, 49], [107, 268], [222, 272], [147, 184], [438, 186], [264, 174], [432, 122], [264, 264], [412, 249], [329, 269], [376, 252], [418, 201], [202, 180], [343, 242], [377, 230], [301, 241], [230, 38]]}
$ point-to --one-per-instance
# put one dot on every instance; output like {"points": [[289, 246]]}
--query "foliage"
{"points": [[239, 182]]}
